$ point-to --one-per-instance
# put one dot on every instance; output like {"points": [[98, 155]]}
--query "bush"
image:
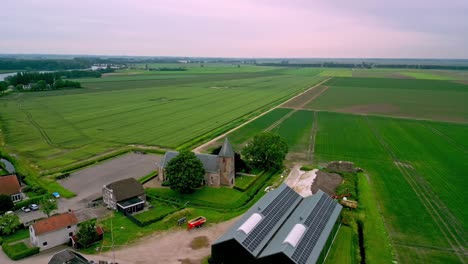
{"points": [[1, 240], [307, 168], [19, 250], [31, 200]]}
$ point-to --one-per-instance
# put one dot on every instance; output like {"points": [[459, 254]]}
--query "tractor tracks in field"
{"points": [[450, 227], [44, 134], [446, 137], [313, 134]]}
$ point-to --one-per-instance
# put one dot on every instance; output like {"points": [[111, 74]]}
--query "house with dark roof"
{"points": [[125, 195], [282, 227], [68, 257], [9, 185], [219, 169], [53, 231]]}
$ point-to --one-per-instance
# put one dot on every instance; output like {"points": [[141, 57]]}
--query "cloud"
{"points": [[240, 28]]}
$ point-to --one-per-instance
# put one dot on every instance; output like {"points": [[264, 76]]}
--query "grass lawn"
{"points": [[18, 235], [158, 210], [243, 181], [343, 248], [218, 196], [18, 247]]}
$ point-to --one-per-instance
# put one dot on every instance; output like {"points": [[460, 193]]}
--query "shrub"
{"points": [[19, 250], [31, 200]]}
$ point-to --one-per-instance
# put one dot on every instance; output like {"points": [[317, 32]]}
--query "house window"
{"points": [[68, 227], [44, 244], [70, 234]]}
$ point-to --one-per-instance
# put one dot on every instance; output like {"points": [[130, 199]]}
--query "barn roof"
{"points": [[210, 162], [126, 189], [54, 223], [9, 185], [284, 222]]}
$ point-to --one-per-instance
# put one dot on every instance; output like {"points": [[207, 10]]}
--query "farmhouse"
{"points": [[219, 169], [282, 227], [126, 195], [9, 185], [68, 257], [53, 231]]}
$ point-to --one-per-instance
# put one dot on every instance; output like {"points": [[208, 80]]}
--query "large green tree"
{"points": [[6, 204], [9, 224], [266, 151], [48, 205], [87, 233], [3, 86], [185, 172]]}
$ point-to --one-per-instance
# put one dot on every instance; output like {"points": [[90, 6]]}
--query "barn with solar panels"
{"points": [[282, 227]]}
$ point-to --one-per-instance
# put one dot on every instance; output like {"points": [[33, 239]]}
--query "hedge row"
{"points": [[11, 252], [148, 177], [31, 200], [149, 221]]}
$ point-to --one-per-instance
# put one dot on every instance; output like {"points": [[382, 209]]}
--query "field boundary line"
{"points": [[313, 135], [199, 148], [422, 194]]}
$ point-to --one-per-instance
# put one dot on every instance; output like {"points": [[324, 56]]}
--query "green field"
{"points": [[296, 130], [401, 166], [53, 129], [426, 99]]}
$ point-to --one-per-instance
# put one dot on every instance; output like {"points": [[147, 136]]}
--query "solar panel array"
{"points": [[272, 214], [316, 222]]}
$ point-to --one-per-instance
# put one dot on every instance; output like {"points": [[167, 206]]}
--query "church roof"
{"points": [[226, 150], [210, 162]]}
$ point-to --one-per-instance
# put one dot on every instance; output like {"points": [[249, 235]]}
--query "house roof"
{"points": [[68, 257], [126, 189], [210, 162], [226, 149], [284, 222], [54, 223], [9, 185]]}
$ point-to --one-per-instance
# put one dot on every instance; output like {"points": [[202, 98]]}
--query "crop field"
{"points": [[56, 128], [425, 99], [296, 130], [416, 178]]}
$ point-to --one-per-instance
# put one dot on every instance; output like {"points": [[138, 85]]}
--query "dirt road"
{"points": [[173, 247]]}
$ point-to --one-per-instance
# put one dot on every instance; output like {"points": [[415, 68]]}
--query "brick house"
{"points": [[219, 169], [9, 185], [53, 231], [126, 195]]}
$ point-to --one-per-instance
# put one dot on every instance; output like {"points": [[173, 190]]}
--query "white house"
{"points": [[53, 231], [9, 185]]}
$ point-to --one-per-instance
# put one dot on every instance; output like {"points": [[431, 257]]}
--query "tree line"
{"points": [[37, 81], [43, 64]]}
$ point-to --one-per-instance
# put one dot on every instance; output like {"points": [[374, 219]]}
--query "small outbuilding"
{"points": [[282, 227], [127, 195], [9, 185], [53, 231]]}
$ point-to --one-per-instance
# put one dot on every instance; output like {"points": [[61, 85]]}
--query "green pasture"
{"points": [[336, 72], [343, 248]]}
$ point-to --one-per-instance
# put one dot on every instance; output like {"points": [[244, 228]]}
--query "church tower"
{"points": [[226, 164]]}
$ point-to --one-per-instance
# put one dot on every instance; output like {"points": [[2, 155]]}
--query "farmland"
{"points": [[415, 167], [426, 99], [409, 135], [53, 129]]}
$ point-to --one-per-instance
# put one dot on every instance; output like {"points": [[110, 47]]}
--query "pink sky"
{"points": [[240, 28]]}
